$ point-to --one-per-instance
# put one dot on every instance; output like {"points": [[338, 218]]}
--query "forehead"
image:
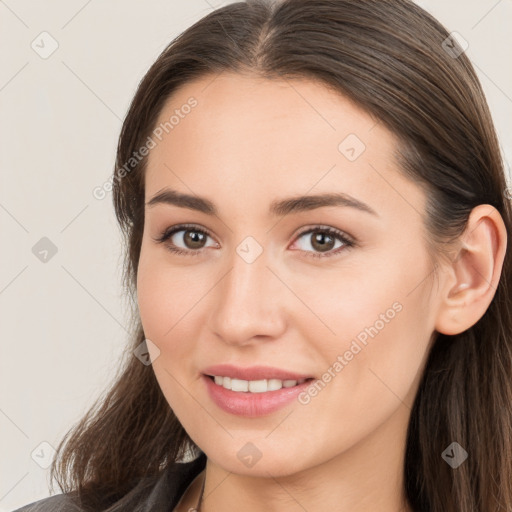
{"points": [[246, 140]]}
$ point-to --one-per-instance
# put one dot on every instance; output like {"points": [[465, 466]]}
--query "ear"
{"points": [[474, 272]]}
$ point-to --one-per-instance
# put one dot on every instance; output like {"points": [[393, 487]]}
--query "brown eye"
{"points": [[191, 241], [323, 240]]}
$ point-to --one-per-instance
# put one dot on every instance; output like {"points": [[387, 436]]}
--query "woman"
{"points": [[316, 219]]}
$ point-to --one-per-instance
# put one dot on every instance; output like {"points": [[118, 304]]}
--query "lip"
{"points": [[253, 373], [252, 405]]}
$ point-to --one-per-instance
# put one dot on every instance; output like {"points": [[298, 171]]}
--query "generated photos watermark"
{"points": [[355, 348], [101, 191]]}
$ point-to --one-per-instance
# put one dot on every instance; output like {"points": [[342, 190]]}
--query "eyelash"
{"points": [[347, 241]]}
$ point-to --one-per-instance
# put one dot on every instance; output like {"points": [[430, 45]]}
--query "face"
{"points": [[338, 292]]}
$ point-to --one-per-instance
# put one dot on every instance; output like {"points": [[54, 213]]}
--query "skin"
{"points": [[344, 449]]}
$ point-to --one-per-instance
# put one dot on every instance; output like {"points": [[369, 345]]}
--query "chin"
{"points": [[258, 458]]}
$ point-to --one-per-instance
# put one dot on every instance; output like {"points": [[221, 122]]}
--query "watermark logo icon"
{"points": [[44, 45], [43, 454], [249, 454], [249, 249], [146, 352], [454, 455], [455, 45], [351, 147], [44, 250]]}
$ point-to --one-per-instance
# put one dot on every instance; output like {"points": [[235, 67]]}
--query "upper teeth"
{"points": [[255, 386]]}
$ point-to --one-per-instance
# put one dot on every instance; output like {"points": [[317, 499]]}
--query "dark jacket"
{"points": [[153, 494]]}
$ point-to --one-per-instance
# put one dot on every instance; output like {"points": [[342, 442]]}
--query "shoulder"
{"points": [[57, 503], [152, 494]]}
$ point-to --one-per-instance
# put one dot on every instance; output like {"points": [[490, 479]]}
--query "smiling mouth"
{"points": [[255, 386]]}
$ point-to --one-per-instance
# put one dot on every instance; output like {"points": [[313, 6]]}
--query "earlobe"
{"points": [[473, 275]]}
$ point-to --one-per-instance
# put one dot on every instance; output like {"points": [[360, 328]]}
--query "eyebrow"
{"points": [[277, 208]]}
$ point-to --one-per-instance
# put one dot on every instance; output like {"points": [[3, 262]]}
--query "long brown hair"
{"points": [[392, 59]]}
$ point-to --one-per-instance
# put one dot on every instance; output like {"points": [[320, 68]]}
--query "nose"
{"points": [[250, 302]]}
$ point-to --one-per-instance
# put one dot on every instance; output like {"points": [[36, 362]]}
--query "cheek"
{"points": [[158, 291], [392, 326], [371, 366], [162, 298], [154, 302], [379, 324], [169, 300]]}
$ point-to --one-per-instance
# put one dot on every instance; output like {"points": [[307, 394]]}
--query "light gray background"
{"points": [[63, 324]]}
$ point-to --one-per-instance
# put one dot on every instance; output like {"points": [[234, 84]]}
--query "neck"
{"points": [[364, 478]]}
